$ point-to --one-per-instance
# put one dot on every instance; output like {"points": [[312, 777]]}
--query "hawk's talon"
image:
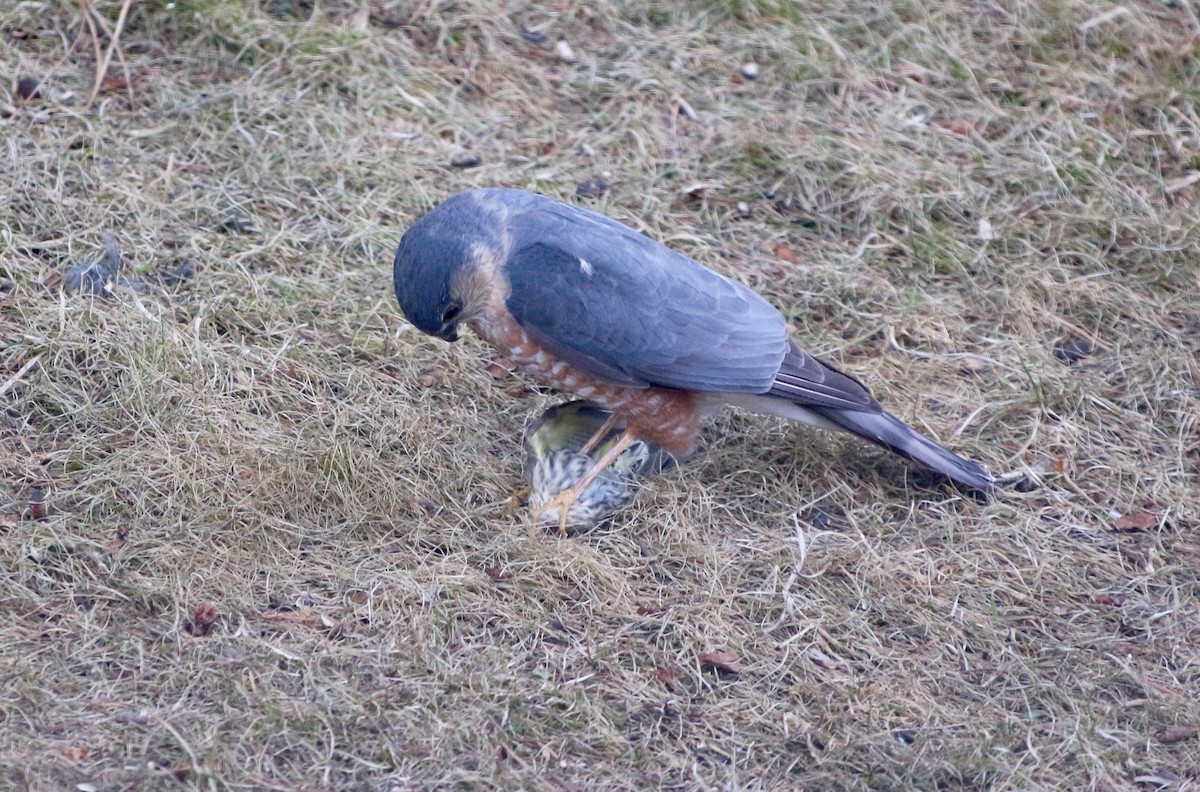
{"points": [[600, 434], [520, 497], [567, 499], [562, 503]]}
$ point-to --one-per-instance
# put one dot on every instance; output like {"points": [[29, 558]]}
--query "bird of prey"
{"points": [[563, 444], [589, 306]]}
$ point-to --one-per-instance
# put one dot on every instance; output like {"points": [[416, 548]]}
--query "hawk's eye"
{"points": [[451, 313]]}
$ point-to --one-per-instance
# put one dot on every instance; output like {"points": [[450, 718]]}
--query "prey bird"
{"points": [[563, 444], [589, 306]]}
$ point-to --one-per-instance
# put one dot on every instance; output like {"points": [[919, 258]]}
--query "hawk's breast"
{"points": [[664, 416]]}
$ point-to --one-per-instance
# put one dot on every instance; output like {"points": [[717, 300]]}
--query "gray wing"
{"points": [[632, 311], [804, 380]]}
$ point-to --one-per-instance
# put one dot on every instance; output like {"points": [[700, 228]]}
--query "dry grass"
{"points": [[268, 444]]}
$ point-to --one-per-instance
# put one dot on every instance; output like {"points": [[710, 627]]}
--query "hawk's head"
{"points": [[447, 267]]}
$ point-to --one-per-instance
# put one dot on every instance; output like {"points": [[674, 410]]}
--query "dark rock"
{"points": [[592, 188]]}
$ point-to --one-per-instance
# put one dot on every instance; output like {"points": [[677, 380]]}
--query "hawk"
{"points": [[589, 306]]}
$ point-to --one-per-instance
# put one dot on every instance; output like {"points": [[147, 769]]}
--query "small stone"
{"points": [[592, 188], [27, 88], [817, 518], [535, 37], [1072, 350], [750, 70], [465, 161], [182, 271], [134, 284], [1026, 484], [238, 223], [37, 503], [564, 52], [743, 209]]}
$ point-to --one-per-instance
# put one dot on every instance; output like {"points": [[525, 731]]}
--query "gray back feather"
{"points": [[630, 310]]}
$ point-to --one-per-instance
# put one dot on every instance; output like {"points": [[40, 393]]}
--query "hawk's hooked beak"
{"points": [[451, 316]]}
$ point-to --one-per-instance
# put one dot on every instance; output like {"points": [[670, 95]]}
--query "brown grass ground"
{"points": [[954, 200]]}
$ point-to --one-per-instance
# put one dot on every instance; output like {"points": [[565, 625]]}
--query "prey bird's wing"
{"points": [[632, 311]]}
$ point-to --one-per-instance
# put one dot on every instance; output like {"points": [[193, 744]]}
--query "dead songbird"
{"points": [[557, 456]]}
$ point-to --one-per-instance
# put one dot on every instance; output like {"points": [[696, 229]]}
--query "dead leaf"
{"points": [[203, 618], [1137, 521], [1108, 599], [722, 660], [305, 617], [1175, 734], [1058, 465], [75, 753], [668, 676], [784, 251]]}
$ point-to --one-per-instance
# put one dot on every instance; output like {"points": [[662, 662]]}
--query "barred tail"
{"points": [[885, 429]]}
